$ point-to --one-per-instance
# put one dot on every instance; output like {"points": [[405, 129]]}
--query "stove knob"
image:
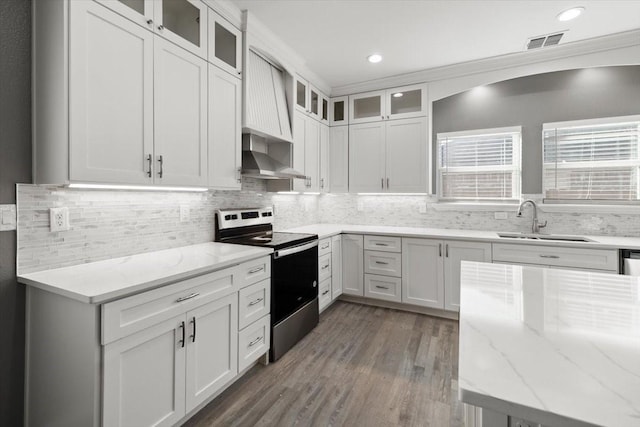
{"points": [[315, 283]]}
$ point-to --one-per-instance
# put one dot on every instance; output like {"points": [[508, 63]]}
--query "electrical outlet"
{"points": [[500, 215], [185, 213], [422, 207], [59, 219], [360, 206]]}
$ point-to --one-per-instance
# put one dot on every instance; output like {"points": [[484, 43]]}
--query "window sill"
{"points": [[479, 206]]}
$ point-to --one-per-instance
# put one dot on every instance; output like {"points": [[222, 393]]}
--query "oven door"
{"points": [[294, 279]]}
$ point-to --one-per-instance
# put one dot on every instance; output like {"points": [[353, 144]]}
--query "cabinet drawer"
{"points": [[132, 314], [255, 271], [383, 243], [593, 259], [324, 246], [324, 294], [255, 302], [253, 342], [324, 267], [384, 263], [382, 287]]}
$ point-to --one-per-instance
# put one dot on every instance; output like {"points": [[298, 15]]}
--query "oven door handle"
{"points": [[290, 251]]}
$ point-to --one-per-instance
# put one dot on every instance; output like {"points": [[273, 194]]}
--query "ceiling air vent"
{"points": [[544, 41]]}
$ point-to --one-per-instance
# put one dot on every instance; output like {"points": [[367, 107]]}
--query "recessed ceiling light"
{"points": [[375, 58], [397, 94], [570, 14]]}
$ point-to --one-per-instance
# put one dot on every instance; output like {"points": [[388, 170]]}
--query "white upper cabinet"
{"points": [[339, 111], [339, 159], [111, 97], [184, 22], [324, 104], [301, 94], [309, 100], [225, 130], [324, 183], [390, 104], [225, 44], [406, 156], [180, 116], [367, 157], [315, 103], [311, 154]]}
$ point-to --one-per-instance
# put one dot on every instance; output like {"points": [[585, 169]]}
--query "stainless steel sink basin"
{"points": [[549, 237]]}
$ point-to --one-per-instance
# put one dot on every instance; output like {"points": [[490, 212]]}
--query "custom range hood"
{"points": [[267, 137], [256, 163]]}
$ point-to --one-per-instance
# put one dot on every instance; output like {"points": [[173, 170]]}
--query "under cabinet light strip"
{"points": [[134, 187]]}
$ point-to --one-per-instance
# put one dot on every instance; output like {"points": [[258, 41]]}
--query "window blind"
{"points": [[479, 165], [592, 160]]}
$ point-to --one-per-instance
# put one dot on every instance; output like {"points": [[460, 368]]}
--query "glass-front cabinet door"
{"points": [[315, 105], [325, 109], [301, 93], [338, 111], [184, 22], [367, 107], [138, 11], [225, 44], [405, 102]]}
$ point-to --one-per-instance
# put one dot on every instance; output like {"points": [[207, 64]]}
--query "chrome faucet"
{"points": [[535, 224]]}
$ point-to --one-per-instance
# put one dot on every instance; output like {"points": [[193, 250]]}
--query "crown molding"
{"points": [[563, 51]]}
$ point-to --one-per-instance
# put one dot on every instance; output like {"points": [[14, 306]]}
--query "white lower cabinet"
{"points": [[324, 294], [431, 270], [382, 287], [352, 264], [329, 271], [253, 342], [336, 266]]}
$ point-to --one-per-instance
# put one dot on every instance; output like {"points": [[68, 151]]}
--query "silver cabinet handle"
{"points": [[325, 292], [321, 182], [239, 174], [382, 183], [161, 171], [387, 117], [193, 322], [324, 267], [181, 341], [254, 342], [161, 27], [382, 117], [549, 256], [193, 295], [381, 287], [325, 246], [439, 249], [149, 160], [382, 263], [149, 21], [381, 244], [254, 302], [387, 183], [446, 250], [255, 270]]}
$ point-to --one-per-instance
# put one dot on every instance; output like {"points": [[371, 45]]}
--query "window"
{"points": [[592, 160], [480, 165]]}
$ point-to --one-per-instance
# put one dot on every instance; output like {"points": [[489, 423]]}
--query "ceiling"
{"points": [[334, 37]]}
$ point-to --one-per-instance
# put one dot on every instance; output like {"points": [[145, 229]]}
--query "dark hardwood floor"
{"points": [[362, 366]]}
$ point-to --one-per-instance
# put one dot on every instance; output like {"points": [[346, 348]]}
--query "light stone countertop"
{"points": [[327, 230], [102, 281], [557, 347]]}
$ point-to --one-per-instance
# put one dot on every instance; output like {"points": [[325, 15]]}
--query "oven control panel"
{"points": [[232, 218]]}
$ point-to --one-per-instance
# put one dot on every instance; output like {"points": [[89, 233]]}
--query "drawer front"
{"points": [[383, 243], [255, 271], [255, 302], [324, 267], [593, 259], [384, 263], [132, 314], [324, 294], [383, 287], [324, 246], [253, 342]]}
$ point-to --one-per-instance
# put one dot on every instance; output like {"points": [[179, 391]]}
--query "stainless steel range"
{"points": [[294, 272]]}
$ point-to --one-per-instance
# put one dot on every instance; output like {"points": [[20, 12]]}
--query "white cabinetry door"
{"points": [[407, 101], [338, 111], [139, 11], [325, 184], [180, 116], [339, 159], [352, 264], [422, 272], [212, 348], [367, 157], [225, 130], [298, 147], [144, 377], [110, 97], [336, 266], [311, 153], [367, 107], [456, 251], [225, 44], [301, 95], [406, 155], [183, 22]]}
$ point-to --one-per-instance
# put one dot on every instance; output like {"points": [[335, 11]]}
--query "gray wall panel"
{"points": [[533, 100]]}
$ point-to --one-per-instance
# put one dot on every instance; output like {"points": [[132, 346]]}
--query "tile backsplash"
{"points": [[108, 224]]}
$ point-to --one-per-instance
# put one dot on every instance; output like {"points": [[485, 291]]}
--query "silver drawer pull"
{"points": [[254, 302], [324, 267], [254, 342], [325, 292], [381, 287], [549, 256], [193, 295], [326, 245], [381, 244], [382, 263], [255, 270]]}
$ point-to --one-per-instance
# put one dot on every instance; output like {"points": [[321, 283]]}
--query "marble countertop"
{"points": [[327, 230], [557, 347], [102, 281]]}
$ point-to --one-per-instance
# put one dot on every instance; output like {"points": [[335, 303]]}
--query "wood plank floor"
{"points": [[362, 366]]}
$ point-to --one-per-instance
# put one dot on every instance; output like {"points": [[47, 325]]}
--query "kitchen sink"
{"points": [[549, 237]]}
